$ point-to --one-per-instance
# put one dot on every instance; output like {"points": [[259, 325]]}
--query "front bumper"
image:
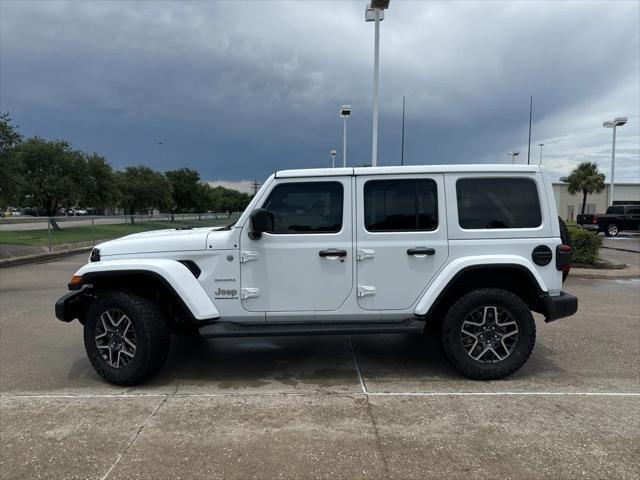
{"points": [[72, 305], [559, 306]]}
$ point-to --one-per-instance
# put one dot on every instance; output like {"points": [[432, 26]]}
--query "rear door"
{"points": [[401, 238]]}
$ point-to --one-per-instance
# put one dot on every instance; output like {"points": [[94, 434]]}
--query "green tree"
{"points": [[585, 178], [9, 135], [10, 178], [52, 174], [185, 190], [99, 184], [143, 189], [223, 199]]}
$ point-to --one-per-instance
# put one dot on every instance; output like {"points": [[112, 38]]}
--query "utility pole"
{"points": [[541, 145], [254, 186]]}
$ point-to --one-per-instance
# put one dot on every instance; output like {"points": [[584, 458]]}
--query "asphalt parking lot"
{"points": [[319, 407]]}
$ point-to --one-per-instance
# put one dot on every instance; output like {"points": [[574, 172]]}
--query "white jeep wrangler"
{"points": [[470, 249]]}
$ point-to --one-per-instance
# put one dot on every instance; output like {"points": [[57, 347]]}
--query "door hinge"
{"points": [[248, 256], [364, 253], [366, 291], [249, 293]]}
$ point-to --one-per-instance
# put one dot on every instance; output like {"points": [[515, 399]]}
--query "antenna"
{"points": [[402, 148]]}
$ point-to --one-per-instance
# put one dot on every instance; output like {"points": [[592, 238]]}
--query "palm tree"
{"points": [[587, 179]]}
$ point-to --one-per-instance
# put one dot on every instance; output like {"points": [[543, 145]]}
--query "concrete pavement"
{"points": [[319, 407]]}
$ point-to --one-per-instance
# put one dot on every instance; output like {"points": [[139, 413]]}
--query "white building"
{"points": [[569, 206]]}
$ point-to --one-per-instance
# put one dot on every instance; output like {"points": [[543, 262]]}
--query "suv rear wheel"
{"points": [[488, 334], [126, 337]]}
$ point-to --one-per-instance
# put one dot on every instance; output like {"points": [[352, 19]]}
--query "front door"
{"points": [[401, 238], [306, 262]]}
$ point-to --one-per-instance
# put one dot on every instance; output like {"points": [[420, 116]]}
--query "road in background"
{"points": [[319, 407], [20, 223]]}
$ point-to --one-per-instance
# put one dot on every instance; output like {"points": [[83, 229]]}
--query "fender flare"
{"points": [[453, 270], [173, 274]]}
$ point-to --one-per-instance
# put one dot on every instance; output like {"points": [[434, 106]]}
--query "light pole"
{"points": [[514, 154], [345, 112], [375, 13], [616, 122], [541, 145], [332, 154]]}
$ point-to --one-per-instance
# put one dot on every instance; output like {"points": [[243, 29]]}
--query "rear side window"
{"points": [[400, 205], [615, 210], [498, 203], [306, 207]]}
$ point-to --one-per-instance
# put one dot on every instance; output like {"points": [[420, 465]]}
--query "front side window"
{"points": [[498, 203], [306, 207], [400, 205]]}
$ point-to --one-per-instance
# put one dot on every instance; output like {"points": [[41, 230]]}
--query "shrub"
{"points": [[586, 245]]}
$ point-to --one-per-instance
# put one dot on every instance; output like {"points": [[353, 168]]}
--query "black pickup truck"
{"points": [[617, 218]]}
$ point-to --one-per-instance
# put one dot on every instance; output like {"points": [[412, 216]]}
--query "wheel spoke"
{"points": [[130, 343]]}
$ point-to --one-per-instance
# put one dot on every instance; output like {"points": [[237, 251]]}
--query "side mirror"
{"points": [[261, 221]]}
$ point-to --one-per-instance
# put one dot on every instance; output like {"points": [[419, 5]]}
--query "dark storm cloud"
{"points": [[239, 89]]}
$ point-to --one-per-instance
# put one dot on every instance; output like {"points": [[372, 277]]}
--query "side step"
{"points": [[231, 329]]}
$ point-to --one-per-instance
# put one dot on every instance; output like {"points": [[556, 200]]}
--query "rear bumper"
{"points": [[71, 306], [590, 226], [559, 306]]}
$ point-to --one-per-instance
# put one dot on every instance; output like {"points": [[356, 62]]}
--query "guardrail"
{"points": [[56, 232]]}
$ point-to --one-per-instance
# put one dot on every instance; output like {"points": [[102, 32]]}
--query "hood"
{"points": [[158, 241]]}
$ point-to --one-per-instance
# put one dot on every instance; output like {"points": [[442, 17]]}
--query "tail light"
{"points": [[564, 254], [594, 220]]}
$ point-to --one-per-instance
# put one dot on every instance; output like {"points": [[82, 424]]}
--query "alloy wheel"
{"points": [[115, 337], [489, 334]]}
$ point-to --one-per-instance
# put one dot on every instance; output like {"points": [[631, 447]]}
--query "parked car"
{"points": [[616, 219], [470, 251]]}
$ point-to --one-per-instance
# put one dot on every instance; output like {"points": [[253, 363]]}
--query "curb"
{"points": [[41, 257], [622, 249], [599, 273]]}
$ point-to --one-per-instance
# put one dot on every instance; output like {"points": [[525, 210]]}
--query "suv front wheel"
{"points": [[488, 334], [126, 337]]}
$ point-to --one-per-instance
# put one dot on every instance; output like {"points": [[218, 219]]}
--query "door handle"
{"points": [[421, 251], [332, 252]]}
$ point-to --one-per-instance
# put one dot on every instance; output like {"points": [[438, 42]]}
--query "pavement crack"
{"points": [[377, 435], [135, 437], [369, 412]]}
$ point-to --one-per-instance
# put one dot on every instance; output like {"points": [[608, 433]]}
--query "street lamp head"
{"points": [[541, 144], [616, 122], [514, 153], [381, 4], [345, 111]]}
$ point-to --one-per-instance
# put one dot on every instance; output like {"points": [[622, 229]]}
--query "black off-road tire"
{"points": [[452, 342], [565, 236], [152, 337]]}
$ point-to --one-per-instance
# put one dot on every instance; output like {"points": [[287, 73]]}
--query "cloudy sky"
{"points": [[239, 89]]}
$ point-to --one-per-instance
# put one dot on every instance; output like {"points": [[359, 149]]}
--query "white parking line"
{"points": [[312, 393], [355, 359]]}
